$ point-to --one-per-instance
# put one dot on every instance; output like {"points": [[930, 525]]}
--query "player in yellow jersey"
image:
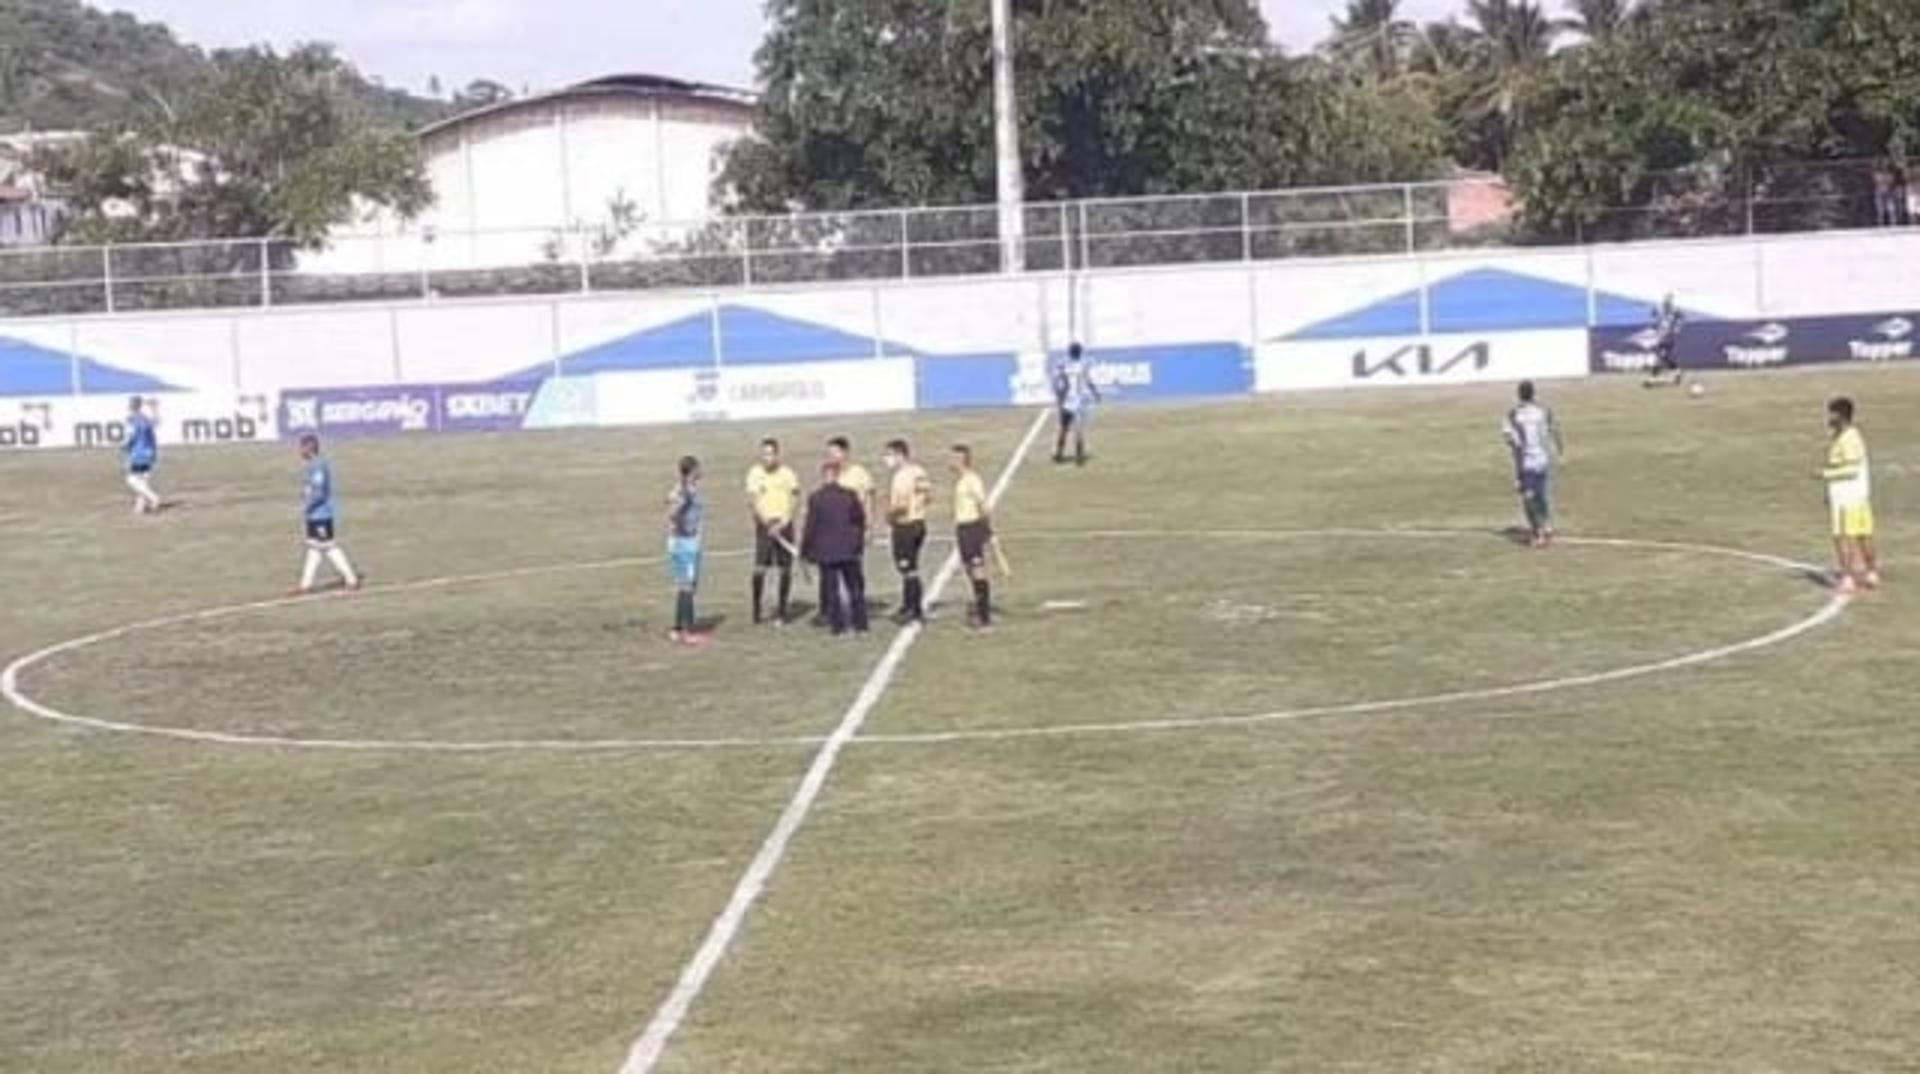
{"points": [[973, 530], [908, 494], [1849, 481], [856, 479], [773, 495]]}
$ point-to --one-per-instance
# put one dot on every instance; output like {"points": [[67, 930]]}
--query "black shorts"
{"points": [[768, 552], [973, 538], [139, 469], [1066, 416], [908, 539], [320, 532], [1664, 354]]}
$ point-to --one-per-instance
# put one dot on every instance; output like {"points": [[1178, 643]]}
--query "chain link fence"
{"points": [[424, 265]]}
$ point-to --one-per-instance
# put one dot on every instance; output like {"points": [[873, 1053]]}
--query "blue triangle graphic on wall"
{"points": [[28, 369], [1483, 300], [747, 336]]}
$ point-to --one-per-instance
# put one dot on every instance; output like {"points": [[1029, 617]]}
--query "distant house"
{"points": [[509, 177], [29, 216]]}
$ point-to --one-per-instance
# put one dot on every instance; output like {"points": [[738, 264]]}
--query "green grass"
{"points": [[1707, 869]]}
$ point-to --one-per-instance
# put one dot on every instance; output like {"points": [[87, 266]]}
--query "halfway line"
{"points": [[652, 1045]]}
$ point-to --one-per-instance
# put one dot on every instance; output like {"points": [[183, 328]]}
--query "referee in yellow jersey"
{"points": [[908, 495], [773, 495], [855, 479], [973, 531]]}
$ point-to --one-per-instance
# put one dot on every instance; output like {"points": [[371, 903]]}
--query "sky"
{"points": [[542, 44]]}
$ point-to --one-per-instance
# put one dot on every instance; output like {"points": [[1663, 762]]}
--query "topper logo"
{"points": [[1766, 346], [1894, 343]]}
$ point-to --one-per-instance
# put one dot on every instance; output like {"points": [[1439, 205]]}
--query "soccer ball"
{"points": [[1696, 389]]}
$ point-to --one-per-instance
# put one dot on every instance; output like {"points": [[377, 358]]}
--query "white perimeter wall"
{"points": [[252, 351]]}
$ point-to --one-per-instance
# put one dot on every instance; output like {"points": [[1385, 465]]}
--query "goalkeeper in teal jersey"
{"points": [[686, 531]]}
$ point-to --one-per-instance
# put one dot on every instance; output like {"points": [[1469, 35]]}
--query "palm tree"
{"points": [[1372, 39], [1597, 20], [1516, 40]]}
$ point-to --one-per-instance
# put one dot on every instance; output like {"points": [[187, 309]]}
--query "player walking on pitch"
{"points": [[142, 452], [686, 525], [1533, 435], [908, 495], [773, 495], [317, 511], [973, 525], [1849, 481], [1666, 339], [1074, 394]]}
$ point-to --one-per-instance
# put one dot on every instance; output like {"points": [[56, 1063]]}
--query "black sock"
{"points": [[683, 612], [912, 596], [983, 600], [759, 593], [786, 592]]}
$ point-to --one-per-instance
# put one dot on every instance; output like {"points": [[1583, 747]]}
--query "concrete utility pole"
{"points": [[1006, 120]]}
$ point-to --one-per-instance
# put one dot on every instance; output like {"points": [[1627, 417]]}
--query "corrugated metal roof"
{"points": [[621, 85]]}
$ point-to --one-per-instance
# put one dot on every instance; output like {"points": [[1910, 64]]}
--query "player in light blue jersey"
{"points": [[1533, 435], [686, 530], [1074, 394], [321, 521], [142, 451]]}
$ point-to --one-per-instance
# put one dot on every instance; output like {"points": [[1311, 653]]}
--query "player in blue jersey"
{"points": [[686, 526], [1533, 435], [1074, 394], [142, 450], [317, 512]]}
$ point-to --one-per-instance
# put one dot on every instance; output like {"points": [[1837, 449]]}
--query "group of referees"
{"points": [[828, 530]]}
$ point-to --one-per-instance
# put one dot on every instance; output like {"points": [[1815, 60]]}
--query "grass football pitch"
{"points": [[1284, 758]]}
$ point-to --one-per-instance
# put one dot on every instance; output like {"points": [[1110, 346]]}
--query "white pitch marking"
{"points": [[9, 686], [652, 1044], [10, 680], [1064, 606]]}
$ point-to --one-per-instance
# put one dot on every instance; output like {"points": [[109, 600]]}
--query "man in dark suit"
{"points": [[834, 540]]}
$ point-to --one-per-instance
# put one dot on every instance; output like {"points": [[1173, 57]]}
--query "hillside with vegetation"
{"points": [[65, 65]]}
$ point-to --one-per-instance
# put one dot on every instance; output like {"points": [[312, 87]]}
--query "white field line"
{"points": [[11, 691], [652, 1044]]}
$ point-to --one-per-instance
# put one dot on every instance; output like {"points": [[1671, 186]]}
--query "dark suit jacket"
{"points": [[836, 530]]}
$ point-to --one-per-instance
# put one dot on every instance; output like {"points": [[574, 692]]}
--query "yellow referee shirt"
{"points": [[969, 499], [775, 494], [855, 479], [907, 498]]}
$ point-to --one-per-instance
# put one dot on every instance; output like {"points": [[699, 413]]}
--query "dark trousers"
{"points": [[849, 607]]}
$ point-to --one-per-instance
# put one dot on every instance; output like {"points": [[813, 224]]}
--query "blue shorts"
{"points": [[683, 561]]}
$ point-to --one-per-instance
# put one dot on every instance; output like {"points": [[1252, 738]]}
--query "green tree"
{"points": [[272, 146], [1513, 43], [1371, 39], [1598, 20], [886, 102], [1673, 126]]}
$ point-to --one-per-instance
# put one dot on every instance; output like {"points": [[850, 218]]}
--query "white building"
{"points": [[511, 178]]}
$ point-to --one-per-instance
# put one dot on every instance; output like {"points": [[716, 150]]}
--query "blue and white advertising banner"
{"points": [[1762, 344], [407, 408], [94, 421], [1411, 361], [754, 393], [1123, 374]]}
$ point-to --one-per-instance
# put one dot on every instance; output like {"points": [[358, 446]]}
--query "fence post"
{"points": [[586, 267], [266, 275], [1593, 291], [719, 348], [106, 275], [1749, 200], [746, 253], [1406, 201], [1246, 227], [906, 246], [1086, 242], [1426, 296], [1066, 239]]}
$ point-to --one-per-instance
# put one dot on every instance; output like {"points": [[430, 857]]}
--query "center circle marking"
{"points": [[10, 685]]}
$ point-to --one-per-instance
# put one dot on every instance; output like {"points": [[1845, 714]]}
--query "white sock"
{"points": [[338, 557], [310, 571], [144, 498]]}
